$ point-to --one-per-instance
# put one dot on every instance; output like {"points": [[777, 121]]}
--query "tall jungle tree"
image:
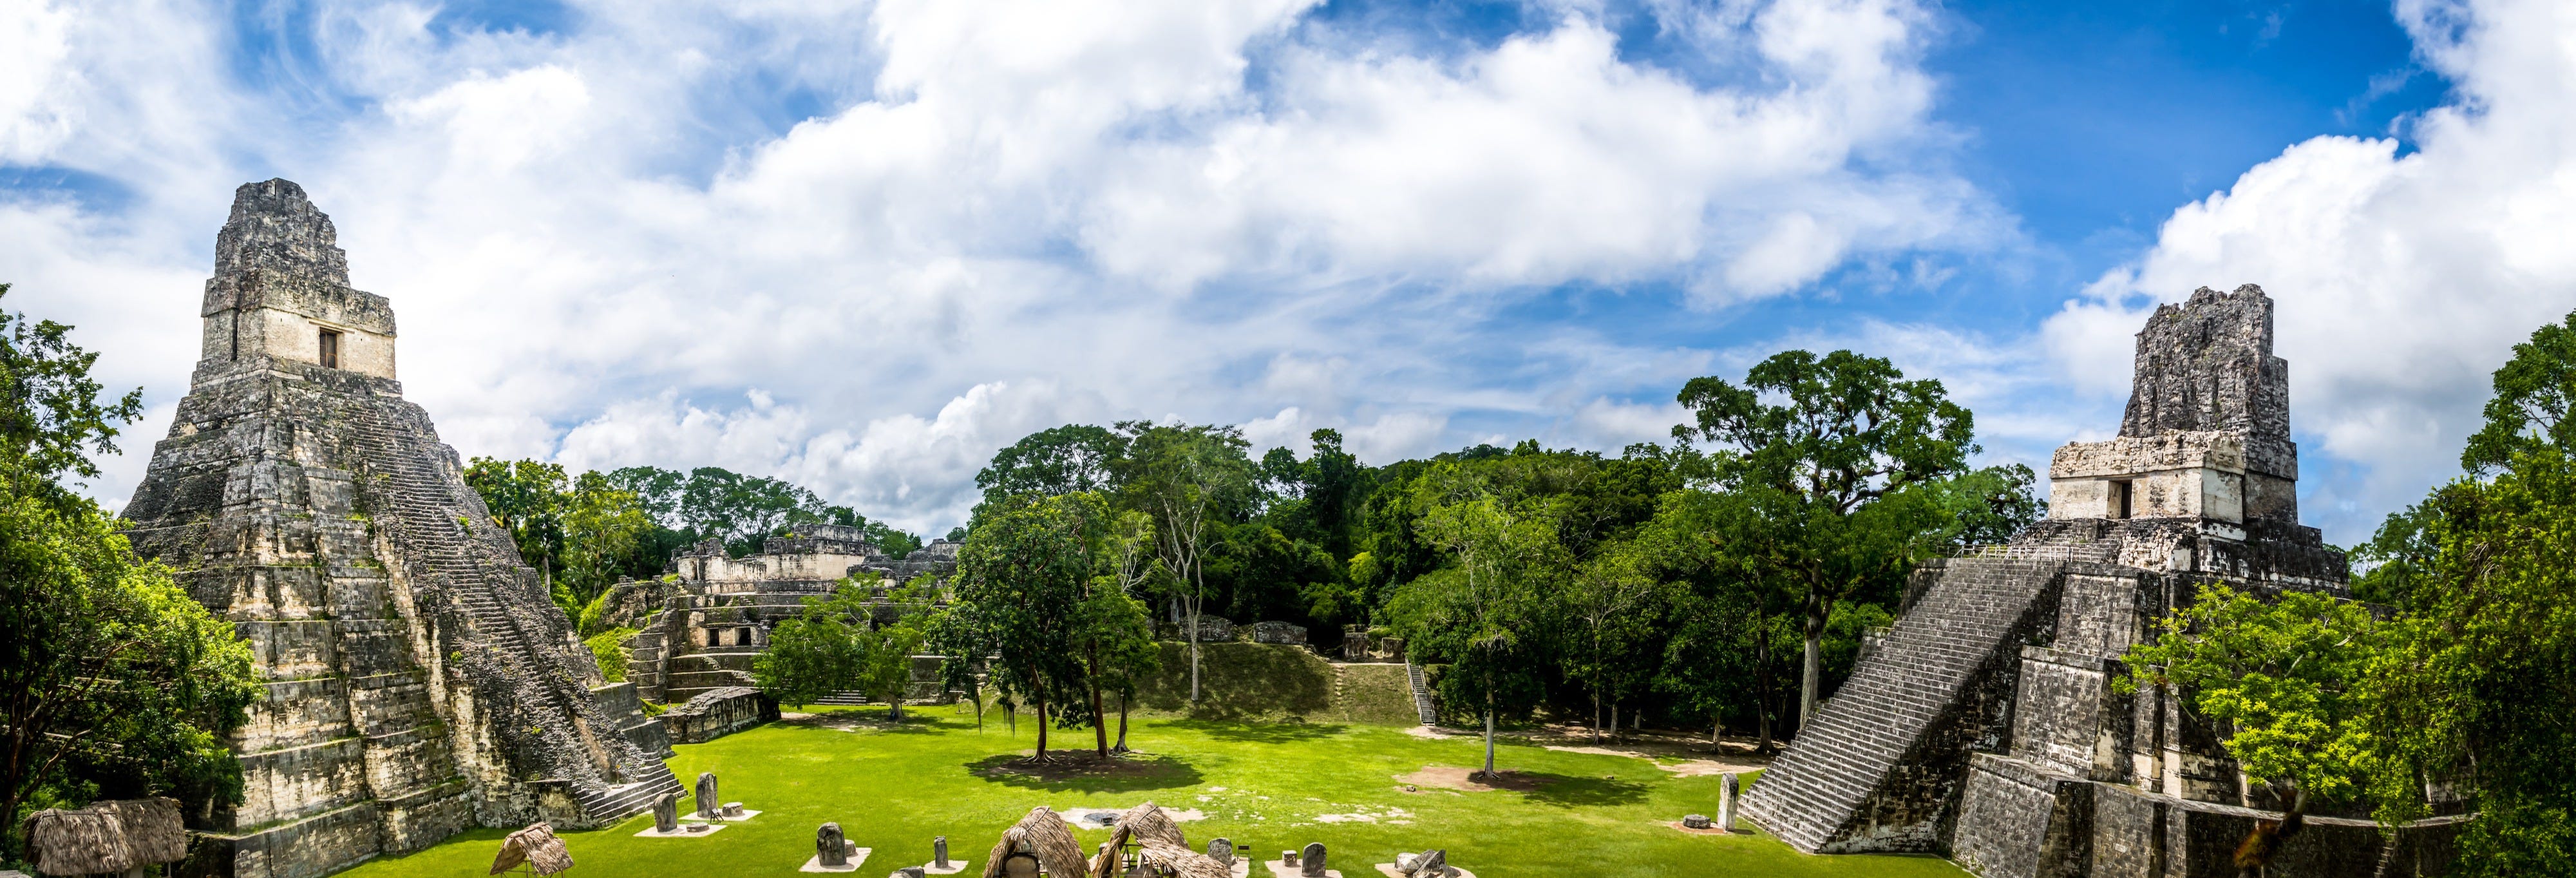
{"points": [[114, 682], [1831, 436]]}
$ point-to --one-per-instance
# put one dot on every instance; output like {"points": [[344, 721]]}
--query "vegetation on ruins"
{"points": [[114, 681], [2285, 675], [2455, 693], [852, 641], [582, 532]]}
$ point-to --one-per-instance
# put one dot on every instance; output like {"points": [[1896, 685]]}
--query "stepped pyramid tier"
{"points": [[700, 627], [1985, 726], [419, 680]]}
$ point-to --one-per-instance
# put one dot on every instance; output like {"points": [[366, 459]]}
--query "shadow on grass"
{"points": [[1083, 772], [1584, 792], [914, 722], [1259, 733]]}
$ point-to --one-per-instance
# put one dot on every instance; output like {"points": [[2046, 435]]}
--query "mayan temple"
{"points": [[1985, 727], [419, 680]]}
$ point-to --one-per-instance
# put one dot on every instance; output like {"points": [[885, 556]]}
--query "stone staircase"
{"points": [[1421, 694], [1870, 772], [421, 511]]}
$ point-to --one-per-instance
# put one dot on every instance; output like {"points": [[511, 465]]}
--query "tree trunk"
{"points": [[1192, 636], [1042, 729], [1122, 725], [1099, 723], [1614, 720], [1811, 674], [1762, 683], [1715, 729], [1596, 714], [1489, 739]]}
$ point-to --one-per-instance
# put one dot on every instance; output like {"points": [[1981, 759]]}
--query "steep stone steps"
{"points": [[1970, 622], [425, 516], [1421, 694]]}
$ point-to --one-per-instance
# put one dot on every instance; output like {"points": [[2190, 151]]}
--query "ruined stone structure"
{"points": [[1984, 724], [700, 627], [418, 679]]}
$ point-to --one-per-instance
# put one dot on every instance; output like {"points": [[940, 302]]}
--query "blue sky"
{"points": [[860, 245]]}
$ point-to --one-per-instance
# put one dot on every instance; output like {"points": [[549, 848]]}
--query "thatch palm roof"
{"points": [[1045, 835], [1165, 858], [1143, 823], [536, 846], [106, 837]]}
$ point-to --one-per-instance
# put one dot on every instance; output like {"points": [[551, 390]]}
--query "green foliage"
{"points": [[817, 652], [888, 643], [1846, 458], [607, 648], [2285, 676], [114, 682], [741, 511], [2533, 391], [1021, 580], [2480, 680]]}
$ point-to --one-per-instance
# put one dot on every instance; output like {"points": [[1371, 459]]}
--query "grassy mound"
{"points": [[1263, 682]]}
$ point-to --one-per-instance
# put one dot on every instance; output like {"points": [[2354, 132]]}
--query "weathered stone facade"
{"points": [[418, 679], [1984, 724], [700, 627]]}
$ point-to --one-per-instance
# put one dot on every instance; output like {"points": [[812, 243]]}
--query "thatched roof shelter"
{"points": [[1164, 858], [106, 838], [535, 846], [1143, 823], [1044, 835]]}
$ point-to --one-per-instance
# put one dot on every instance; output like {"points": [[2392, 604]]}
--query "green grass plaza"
{"points": [[1267, 786]]}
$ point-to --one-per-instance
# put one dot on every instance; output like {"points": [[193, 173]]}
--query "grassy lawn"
{"points": [[1268, 787]]}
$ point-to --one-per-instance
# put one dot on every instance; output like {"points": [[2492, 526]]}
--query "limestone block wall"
{"points": [[718, 712]]}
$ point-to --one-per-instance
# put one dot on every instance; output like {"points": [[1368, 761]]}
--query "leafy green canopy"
{"points": [[114, 682], [2286, 676], [1844, 461]]}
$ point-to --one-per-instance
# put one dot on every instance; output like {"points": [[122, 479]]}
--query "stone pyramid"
{"points": [[1985, 725], [419, 679]]}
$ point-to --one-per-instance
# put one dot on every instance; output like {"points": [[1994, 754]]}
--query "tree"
{"points": [[2480, 678], [889, 640], [1128, 652], [1483, 614], [1053, 462], [1848, 430], [1187, 478], [2533, 391], [113, 681], [603, 529], [2283, 676], [1609, 598], [817, 652], [1020, 581], [528, 500]]}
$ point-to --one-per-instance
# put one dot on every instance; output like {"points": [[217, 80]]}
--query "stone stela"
{"points": [[419, 679], [1985, 727]]}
